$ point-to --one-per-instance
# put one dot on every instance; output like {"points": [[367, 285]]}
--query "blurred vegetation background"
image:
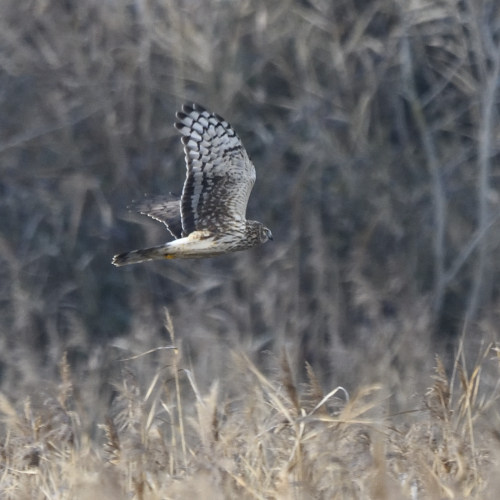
{"points": [[374, 128]]}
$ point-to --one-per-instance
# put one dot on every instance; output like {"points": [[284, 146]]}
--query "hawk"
{"points": [[208, 219]]}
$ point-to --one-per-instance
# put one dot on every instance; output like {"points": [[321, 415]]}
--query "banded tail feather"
{"points": [[143, 255]]}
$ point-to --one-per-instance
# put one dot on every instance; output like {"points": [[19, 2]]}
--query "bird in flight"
{"points": [[208, 219]]}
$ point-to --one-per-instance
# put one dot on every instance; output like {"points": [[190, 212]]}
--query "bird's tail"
{"points": [[145, 254]]}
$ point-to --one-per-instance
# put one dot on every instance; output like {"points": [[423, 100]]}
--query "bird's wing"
{"points": [[220, 176], [164, 209]]}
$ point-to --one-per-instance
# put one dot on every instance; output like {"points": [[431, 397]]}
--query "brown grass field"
{"points": [[357, 356]]}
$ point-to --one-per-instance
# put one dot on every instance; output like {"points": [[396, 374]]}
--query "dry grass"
{"points": [[251, 436], [374, 128]]}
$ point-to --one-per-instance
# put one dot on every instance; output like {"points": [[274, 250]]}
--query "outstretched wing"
{"points": [[220, 176], [166, 210]]}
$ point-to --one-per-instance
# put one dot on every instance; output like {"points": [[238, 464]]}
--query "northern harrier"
{"points": [[209, 218]]}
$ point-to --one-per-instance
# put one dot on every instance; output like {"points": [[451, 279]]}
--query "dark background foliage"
{"points": [[375, 133]]}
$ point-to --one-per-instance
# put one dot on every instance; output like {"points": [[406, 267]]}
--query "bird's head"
{"points": [[265, 234], [257, 232]]}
